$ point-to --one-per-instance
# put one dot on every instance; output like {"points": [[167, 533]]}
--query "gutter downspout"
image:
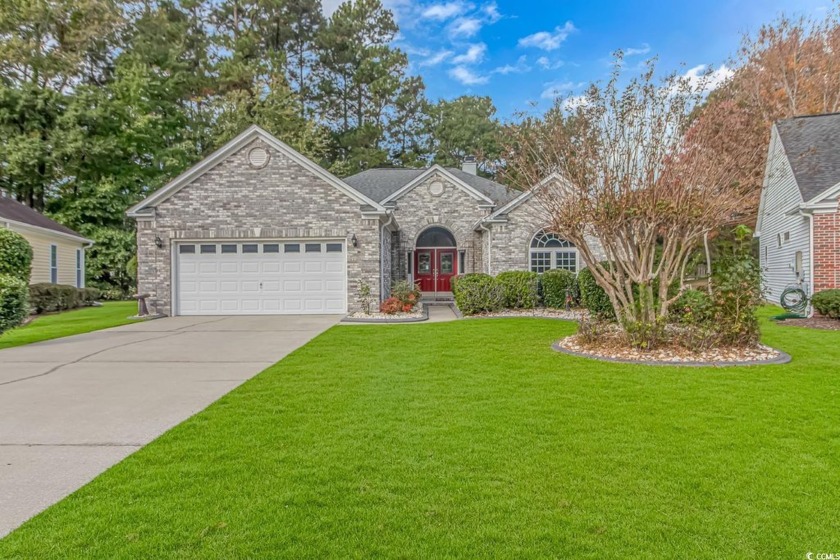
{"points": [[382, 255], [810, 255]]}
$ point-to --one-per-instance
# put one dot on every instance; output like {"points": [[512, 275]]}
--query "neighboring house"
{"points": [[58, 252], [798, 221], [256, 228]]}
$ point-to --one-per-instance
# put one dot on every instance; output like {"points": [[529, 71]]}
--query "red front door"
{"points": [[434, 269]]}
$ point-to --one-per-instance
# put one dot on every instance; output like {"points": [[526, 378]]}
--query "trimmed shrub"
{"points": [[827, 303], [15, 255], [59, 297], [593, 297], [390, 306], [477, 293], [555, 285], [521, 289], [693, 307], [13, 302]]}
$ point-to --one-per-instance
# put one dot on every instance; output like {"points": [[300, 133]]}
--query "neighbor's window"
{"points": [[54, 264], [549, 251], [80, 268]]}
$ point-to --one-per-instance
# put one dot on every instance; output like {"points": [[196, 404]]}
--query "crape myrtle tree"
{"points": [[643, 173]]}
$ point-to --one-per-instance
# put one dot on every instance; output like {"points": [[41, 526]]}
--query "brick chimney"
{"points": [[469, 165]]}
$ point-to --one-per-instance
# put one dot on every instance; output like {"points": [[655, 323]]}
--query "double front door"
{"points": [[434, 269]]}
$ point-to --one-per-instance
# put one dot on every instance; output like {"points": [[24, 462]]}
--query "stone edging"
{"points": [[782, 358], [425, 317]]}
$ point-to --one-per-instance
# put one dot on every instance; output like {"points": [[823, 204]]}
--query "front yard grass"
{"points": [[77, 321], [474, 439]]}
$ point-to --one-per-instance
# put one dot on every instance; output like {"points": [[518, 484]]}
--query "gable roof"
{"points": [[521, 197], [13, 211], [250, 134], [380, 184], [812, 146]]}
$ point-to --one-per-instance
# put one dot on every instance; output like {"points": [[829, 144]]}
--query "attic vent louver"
{"points": [[258, 157]]}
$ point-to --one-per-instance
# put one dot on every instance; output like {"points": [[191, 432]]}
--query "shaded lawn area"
{"points": [[77, 321], [474, 439]]}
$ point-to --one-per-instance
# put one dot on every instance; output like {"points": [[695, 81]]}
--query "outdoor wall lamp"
{"points": [[158, 242], [354, 241]]}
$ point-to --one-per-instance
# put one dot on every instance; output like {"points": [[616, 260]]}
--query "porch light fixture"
{"points": [[354, 241], [158, 242]]}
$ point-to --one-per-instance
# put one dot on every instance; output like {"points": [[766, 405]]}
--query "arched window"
{"points": [[549, 251], [436, 237]]}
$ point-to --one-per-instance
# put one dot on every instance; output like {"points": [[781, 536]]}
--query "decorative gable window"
{"points": [[549, 251]]}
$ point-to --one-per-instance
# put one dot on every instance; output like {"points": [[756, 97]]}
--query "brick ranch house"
{"points": [[798, 220], [256, 228]]}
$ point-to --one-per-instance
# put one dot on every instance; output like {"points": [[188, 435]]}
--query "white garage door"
{"points": [[271, 277]]}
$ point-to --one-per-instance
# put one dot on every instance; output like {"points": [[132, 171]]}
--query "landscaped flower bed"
{"points": [[612, 345], [402, 306]]}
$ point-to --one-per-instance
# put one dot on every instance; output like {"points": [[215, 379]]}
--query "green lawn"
{"points": [[473, 439], [78, 321]]}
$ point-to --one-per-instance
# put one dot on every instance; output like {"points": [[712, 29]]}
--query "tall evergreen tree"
{"points": [[465, 126]]}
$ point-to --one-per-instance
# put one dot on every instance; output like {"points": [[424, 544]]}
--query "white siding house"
{"points": [[799, 237], [784, 232]]}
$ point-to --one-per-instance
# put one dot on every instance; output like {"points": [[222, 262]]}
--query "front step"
{"points": [[437, 297]]}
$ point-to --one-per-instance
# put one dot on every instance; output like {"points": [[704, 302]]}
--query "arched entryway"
{"points": [[435, 260]]}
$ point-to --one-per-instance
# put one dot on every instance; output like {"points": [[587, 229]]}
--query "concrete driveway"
{"points": [[72, 407]]}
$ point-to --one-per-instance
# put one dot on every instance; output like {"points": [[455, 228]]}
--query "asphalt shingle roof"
{"points": [[11, 209], [812, 145], [379, 184]]}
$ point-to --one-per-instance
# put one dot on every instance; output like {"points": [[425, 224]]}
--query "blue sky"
{"points": [[522, 53]]}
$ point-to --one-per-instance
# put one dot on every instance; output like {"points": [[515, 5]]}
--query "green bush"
{"points": [[693, 307], [477, 293], [736, 292], [15, 255], [521, 289], [13, 302], [827, 303], [556, 284], [593, 297], [59, 297]]}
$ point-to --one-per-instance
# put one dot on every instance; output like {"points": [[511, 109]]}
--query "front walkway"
{"points": [[72, 407]]}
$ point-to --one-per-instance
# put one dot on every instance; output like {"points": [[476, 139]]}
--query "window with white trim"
{"points": [[54, 264], [549, 251], [80, 268]]}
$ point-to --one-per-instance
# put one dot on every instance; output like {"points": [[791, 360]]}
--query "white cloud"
{"points": [[702, 79], [554, 90], [467, 76], [474, 55], [637, 51], [436, 58], [575, 101], [444, 11], [547, 64], [520, 67], [465, 27], [492, 12], [548, 40]]}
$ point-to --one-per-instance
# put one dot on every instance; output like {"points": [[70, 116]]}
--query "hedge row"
{"points": [[58, 297], [482, 293], [827, 303], [13, 305]]}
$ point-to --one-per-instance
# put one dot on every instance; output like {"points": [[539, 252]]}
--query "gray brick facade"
{"points": [[510, 242], [453, 209], [234, 200]]}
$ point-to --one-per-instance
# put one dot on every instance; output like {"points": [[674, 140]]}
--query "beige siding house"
{"points": [[58, 252]]}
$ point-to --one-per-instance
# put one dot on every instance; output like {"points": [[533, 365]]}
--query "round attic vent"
{"points": [[258, 157], [436, 188]]}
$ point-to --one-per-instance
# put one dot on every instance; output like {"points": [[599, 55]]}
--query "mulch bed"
{"points": [[613, 349], [822, 323]]}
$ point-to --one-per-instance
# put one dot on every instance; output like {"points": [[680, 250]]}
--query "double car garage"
{"points": [[261, 278]]}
